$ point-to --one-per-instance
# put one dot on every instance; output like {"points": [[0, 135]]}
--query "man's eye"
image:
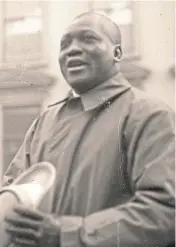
{"points": [[65, 44], [89, 38]]}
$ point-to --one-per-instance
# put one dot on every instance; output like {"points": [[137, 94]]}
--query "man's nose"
{"points": [[74, 48]]}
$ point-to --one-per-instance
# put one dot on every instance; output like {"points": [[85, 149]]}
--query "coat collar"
{"points": [[101, 94]]}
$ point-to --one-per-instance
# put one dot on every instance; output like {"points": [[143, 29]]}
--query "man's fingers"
{"points": [[20, 242], [22, 222], [27, 234], [28, 213]]}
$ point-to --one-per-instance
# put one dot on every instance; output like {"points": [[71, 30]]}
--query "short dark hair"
{"points": [[112, 29]]}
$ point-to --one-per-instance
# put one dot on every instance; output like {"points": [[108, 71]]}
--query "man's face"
{"points": [[86, 55]]}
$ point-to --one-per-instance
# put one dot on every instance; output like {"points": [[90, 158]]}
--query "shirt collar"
{"points": [[102, 93], [75, 95]]}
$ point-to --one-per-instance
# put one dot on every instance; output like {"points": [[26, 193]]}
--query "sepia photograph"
{"points": [[87, 123]]}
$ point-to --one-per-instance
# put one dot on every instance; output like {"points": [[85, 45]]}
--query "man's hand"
{"points": [[31, 228]]}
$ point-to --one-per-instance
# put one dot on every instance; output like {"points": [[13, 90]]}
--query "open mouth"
{"points": [[75, 65]]}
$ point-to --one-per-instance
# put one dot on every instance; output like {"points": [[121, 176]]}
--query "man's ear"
{"points": [[117, 53]]}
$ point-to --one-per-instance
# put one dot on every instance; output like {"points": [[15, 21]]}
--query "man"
{"points": [[113, 149]]}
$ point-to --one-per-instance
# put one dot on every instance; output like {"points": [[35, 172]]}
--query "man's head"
{"points": [[90, 51]]}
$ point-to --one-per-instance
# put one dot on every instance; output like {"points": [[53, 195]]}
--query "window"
{"points": [[121, 13], [23, 32]]}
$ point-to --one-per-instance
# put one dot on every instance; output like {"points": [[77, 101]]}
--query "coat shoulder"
{"points": [[145, 104], [49, 116], [144, 108]]}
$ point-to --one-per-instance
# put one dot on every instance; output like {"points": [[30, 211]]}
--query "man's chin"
{"points": [[80, 83]]}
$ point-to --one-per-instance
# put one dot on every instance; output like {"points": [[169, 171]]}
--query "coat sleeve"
{"points": [[147, 220], [22, 159]]}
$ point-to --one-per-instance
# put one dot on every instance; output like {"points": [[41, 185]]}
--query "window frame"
{"points": [[32, 63]]}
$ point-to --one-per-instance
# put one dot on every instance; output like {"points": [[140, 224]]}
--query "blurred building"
{"points": [[30, 34]]}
